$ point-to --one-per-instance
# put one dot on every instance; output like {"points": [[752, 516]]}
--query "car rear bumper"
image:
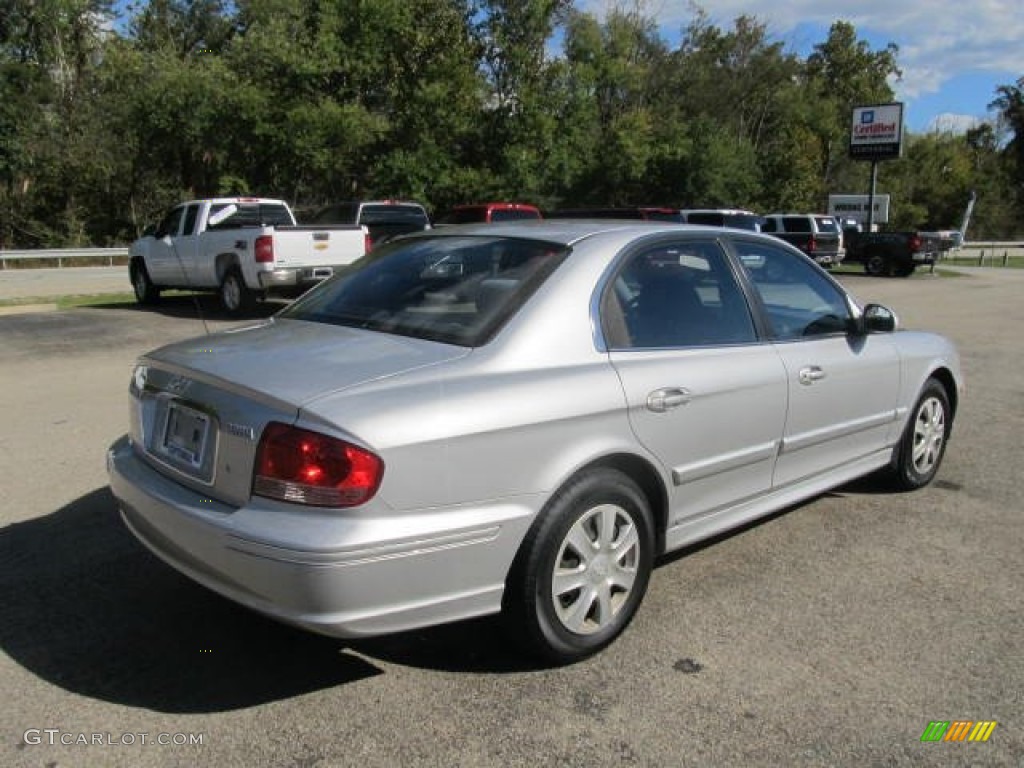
{"points": [[294, 277], [372, 573]]}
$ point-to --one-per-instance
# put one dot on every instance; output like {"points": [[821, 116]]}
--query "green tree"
{"points": [[844, 72]]}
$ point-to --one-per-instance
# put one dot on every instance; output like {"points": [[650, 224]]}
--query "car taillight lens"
{"points": [[306, 467], [915, 244], [367, 243], [812, 245], [264, 249]]}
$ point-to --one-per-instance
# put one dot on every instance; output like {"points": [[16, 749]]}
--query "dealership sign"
{"points": [[856, 207], [877, 132]]}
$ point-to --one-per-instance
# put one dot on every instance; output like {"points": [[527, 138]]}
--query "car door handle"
{"points": [[661, 400], [811, 374]]}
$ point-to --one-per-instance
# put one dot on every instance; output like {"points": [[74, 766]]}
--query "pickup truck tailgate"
{"points": [[312, 246]]}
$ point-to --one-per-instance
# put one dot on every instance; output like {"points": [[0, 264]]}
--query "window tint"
{"points": [[191, 214], [394, 214], [679, 294], [768, 225], [514, 214], [249, 215], [457, 290], [711, 218], [171, 223], [826, 224], [799, 300], [797, 224]]}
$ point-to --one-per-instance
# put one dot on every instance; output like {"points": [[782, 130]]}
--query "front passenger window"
{"points": [[800, 302]]}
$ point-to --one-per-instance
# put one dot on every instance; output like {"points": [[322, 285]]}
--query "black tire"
{"points": [[924, 439], [145, 291], [235, 294], [877, 265], [605, 513]]}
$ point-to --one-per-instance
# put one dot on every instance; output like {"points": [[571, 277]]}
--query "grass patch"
{"points": [[1014, 262], [98, 299], [84, 300]]}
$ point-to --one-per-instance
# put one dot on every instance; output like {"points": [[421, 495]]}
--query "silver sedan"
{"points": [[518, 418]]}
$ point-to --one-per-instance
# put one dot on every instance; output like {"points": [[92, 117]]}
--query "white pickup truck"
{"points": [[243, 247]]}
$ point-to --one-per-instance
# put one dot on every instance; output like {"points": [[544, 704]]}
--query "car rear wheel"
{"points": [[145, 291], [234, 294], [924, 440], [583, 568]]}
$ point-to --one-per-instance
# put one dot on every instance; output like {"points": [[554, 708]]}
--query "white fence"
{"points": [[989, 254]]}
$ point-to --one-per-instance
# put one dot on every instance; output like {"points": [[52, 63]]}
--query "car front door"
{"points": [[162, 262], [705, 396], [843, 386]]}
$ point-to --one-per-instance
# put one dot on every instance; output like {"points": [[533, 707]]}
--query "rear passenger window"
{"points": [[680, 294]]}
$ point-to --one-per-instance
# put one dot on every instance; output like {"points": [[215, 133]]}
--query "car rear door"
{"points": [[704, 395], [842, 387]]}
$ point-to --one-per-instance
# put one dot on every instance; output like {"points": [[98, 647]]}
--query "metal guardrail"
{"points": [[62, 254]]}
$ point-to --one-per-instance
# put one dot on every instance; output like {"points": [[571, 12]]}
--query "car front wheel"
{"points": [[924, 440], [583, 568], [145, 291]]}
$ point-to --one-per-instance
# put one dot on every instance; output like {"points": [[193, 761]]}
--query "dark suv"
{"points": [[383, 219]]}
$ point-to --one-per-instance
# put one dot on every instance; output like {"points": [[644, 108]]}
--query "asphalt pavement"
{"points": [[831, 634]]}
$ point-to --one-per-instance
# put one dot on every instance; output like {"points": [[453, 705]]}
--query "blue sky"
{"points": [[953, 53]]}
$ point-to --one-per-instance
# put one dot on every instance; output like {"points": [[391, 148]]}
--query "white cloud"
{"points": [[949, 122], [938, 39]]}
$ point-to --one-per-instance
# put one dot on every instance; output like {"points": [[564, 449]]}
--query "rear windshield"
{"points": [[394, 214], [249, 215], [797, 223], [457, 290], [514, 214], [826, 224]]}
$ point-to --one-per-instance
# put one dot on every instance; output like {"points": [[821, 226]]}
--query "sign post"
{"points": [[876, 134]]}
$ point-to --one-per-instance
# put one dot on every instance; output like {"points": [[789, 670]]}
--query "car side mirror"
{"points": [[878, 319]]}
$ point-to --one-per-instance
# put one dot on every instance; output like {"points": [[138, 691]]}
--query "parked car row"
{"points": [[215, 245]]}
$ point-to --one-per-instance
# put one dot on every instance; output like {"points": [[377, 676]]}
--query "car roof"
{"points": [[568, 231]]}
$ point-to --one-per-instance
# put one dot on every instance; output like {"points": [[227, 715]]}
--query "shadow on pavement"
{"points": [[195, 306], [89, 609]]}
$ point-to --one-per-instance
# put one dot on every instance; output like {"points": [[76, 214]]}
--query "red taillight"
{"points": [[367, 243], [264, 249], [812, 245], [306, 467], [915, 244]]}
